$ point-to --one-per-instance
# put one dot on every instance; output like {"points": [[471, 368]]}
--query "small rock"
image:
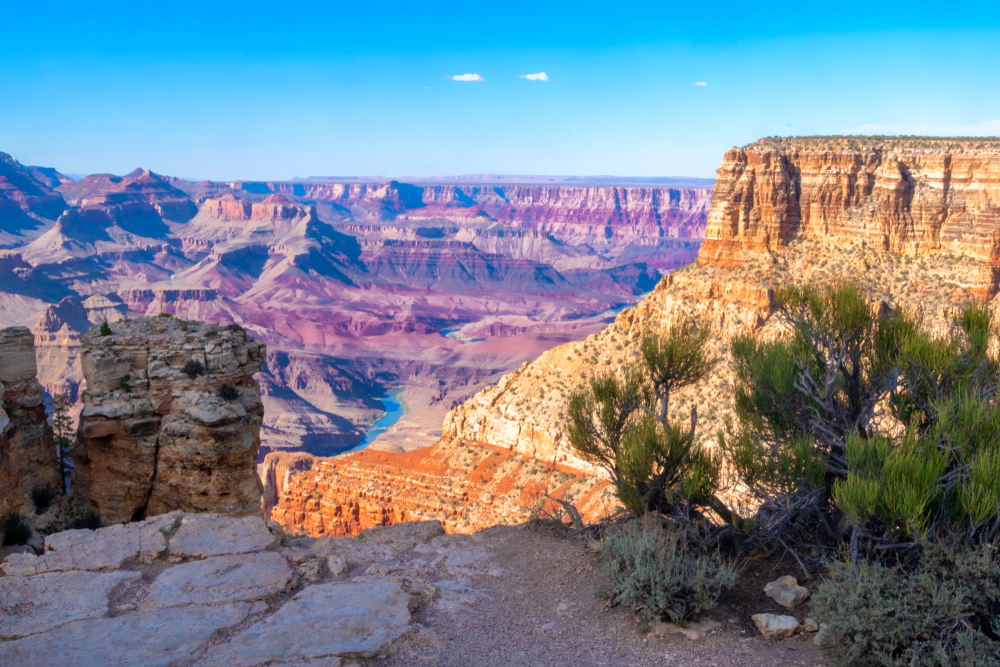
{"points": [[562, 606], [337, 565], [771, 625], [786, 591], [810, 625], [23, 549], [258, 607], [818, 639], [548, 626], [36, 542], [310, 570]]}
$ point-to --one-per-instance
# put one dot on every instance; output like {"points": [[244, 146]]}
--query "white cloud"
{"points": [[467, 77], [541, 76], [701, 83], [983, 129]]}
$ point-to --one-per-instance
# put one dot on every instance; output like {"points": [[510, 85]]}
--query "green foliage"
{"points": [[621, 423], [652, 571], [945, 612], [42, 497], [228, 392], [193, 368], [164, 315], [105, 328], [89, 520], [61, 427], [123, 382], [15, 532]]}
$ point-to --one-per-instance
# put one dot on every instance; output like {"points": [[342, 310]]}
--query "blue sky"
{"points": [[271, 91]]}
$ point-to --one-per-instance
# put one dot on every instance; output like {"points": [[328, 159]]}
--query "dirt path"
{"points": [[542, 610]]}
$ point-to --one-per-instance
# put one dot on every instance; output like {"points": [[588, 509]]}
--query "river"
{"points": [[393, 411]]}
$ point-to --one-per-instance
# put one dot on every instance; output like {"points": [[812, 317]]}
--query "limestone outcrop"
{"points": [[27, 450], [171, 420], [913, 197], [209, 590]]}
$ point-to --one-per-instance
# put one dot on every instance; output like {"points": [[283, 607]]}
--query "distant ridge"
{"points": [[684, 182]]}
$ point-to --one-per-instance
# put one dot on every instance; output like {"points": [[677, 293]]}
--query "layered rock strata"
{"points": [[27, 450], [171, 420], [464, 486], [913, 197]]}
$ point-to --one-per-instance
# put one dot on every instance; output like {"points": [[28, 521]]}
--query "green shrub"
{"points": [[90, 520], [164, 315], [15, 532], [42, 497], [105, 328], [946, 612], [123, 382], [622, 423], [193, 368], [652, 571], [228, 392]]}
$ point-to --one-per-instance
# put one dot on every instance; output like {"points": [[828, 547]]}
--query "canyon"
{"points": [[356, 288], [914, 222]]}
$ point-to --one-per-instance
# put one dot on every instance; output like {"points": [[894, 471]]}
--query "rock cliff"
{"points": [[912, 197], [27, 450], [171, 419]]}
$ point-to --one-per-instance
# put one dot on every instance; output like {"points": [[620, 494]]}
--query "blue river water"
{"points": [[393, 411]]}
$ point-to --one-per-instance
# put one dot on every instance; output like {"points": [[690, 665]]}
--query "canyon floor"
{"points": [[202, 590]]}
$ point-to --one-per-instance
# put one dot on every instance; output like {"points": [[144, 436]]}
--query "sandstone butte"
{"points": [[171, 420], [914, 221], [27, 450]]}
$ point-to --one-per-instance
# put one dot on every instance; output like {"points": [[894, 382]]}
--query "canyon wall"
{"points": [[27, 450], [915, 197], [171, 420]]}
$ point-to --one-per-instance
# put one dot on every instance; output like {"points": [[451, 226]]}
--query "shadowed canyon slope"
{"points": [[914, 222], [356, 288]]}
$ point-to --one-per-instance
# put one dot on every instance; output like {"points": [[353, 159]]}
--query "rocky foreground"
{"points": [[204, 590]]}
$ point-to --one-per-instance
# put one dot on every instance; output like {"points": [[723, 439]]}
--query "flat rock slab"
{"points": [[221, 579], [203, 535], [329, 620], [100, 549], [771, 625], [29, 605], [152, 638]]}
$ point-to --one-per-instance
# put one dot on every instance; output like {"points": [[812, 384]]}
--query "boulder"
{"points": [[771, 625], [786, 591]]}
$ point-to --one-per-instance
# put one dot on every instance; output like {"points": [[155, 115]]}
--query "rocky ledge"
{"points": [[207, 590], [171, 419]]}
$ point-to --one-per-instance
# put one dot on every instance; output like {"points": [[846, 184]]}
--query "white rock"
{"points": [[771, 625], [786, 591], [109, 409], [818, 639], [337, 565], [328, 620], [151, 638], [96, 549], [242, 577], [203, 535], [37, 604]]}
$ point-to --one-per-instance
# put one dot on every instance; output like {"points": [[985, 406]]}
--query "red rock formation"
{"points": [[466, 486], [925, 197], [27, 450]]}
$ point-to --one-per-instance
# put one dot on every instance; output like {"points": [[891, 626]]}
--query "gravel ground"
{"points": [[544, 611]]}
